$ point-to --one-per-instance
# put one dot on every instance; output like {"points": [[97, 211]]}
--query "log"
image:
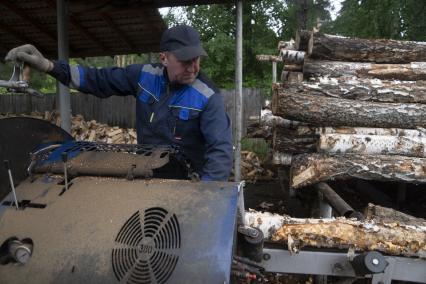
{"points": [[268, 119], [293, 68], [292, 56], [416, 133], [321, 111], [282, 159], [340, 233], [388, 215], [366, 89], [372, 144], [286, 45], [291, 78], [268, 58], [303, 37], [307, 169], [411, 71], [329, 47], [287, 141]]}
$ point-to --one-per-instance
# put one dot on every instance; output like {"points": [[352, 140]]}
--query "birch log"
{"points": [[318, 110], [307, 169], [282, 159], [368, 89], [393, 239], [411, 71], [416, 133], [329, 47], [372, 145]]}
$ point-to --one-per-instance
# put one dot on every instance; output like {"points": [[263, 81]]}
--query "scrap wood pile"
{"points": [[252, 169], [82, 130], [349, 107], [88, 130]]}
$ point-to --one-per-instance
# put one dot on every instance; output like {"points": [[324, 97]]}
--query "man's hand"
{"points": [[31, 56]]}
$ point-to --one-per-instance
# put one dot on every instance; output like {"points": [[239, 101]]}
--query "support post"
{"points": [[274, 72], [238, 90], [63, 54]]}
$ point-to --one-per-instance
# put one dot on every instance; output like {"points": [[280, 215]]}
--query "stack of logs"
{"points": [[350, 107]]}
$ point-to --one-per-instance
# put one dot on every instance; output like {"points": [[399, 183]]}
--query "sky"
{"points": [[337, 6]]}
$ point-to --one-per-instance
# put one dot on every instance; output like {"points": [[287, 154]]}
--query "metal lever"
{"points": [[18, 82], [64, 156], [7, 166]]}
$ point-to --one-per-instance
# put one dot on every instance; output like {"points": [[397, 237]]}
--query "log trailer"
{"points": [[84, 212]]}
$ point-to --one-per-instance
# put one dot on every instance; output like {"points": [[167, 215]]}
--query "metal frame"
{"points": [[63, 53], [338, 264], [238, 90]]}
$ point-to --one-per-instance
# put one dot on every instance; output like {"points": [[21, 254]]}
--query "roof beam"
{"points": [[20, 37], [118, 31], [80, 28], [24, 15]]}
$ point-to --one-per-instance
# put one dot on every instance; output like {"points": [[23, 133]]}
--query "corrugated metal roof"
{"points": [[96, 27]]}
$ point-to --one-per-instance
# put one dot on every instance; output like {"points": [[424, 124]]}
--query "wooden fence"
{"points": [[119, 111]]}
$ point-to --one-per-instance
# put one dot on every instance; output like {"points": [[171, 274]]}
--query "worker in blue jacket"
{"points": [[176, 104]]}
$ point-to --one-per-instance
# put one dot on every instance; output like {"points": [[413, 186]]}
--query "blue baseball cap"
{"points": [[183, 41]]}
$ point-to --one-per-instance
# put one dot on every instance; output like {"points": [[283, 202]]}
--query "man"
{"points": [[175, 103]]}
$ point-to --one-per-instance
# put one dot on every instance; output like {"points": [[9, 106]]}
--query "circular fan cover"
{"points": [[147, 247]]}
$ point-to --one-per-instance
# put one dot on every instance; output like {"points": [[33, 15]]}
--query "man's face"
{"points": [[182, 72]]}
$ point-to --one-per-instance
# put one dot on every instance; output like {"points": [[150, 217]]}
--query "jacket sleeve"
{"points": [[216, 128], [101, 82]]}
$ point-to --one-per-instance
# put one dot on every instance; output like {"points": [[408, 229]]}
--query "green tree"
{"points": [[394, 19]]}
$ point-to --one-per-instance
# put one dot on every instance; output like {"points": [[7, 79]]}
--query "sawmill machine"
{"points": [[85, 212]]}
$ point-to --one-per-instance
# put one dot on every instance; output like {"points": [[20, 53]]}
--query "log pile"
{"points": [[350, 107]]}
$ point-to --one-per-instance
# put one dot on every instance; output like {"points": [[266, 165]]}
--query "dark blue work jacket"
{"points": [[191, 116]]}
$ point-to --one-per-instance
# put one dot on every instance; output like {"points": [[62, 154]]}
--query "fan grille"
{"points": [[147, 247]]}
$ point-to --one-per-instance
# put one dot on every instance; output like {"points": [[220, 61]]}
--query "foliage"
{"points": [[256, 145], [395, 19]]}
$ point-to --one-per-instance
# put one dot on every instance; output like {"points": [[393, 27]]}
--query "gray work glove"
{"points": [[30, 55]]}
